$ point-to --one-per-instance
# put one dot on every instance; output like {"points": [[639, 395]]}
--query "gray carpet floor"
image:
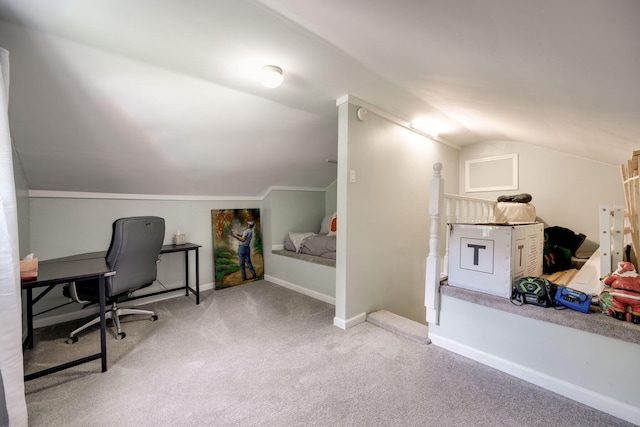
{"points": [[262, 355]]}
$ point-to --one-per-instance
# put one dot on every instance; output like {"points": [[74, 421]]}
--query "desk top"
{"points": [[178, 248], [101, 254], [54, 272], [89, 264]]}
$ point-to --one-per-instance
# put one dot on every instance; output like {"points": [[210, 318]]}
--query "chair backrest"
{"points": [[135, 246]]}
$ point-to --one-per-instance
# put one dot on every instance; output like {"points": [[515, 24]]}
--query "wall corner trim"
{"points": [[47, 194], [301, 290], [285, 188], [351, 322], [50, 194]]}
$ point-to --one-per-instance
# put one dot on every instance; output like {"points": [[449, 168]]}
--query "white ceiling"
{"points": [[161, 97]]}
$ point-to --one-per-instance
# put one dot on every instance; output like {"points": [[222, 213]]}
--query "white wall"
{"points": [[60, 227], [65, 226], [297, 211], [331, 198], [566, 189], [294, 210], [384, 213]]}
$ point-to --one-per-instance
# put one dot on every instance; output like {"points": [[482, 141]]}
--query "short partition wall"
{"points": [[590, 368], [317, 280]]}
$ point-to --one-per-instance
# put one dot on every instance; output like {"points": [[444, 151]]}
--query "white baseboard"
{"points": [[351, 322], [81, 314], [300, 289], [579, 394], [433, 317], [277, 247]]}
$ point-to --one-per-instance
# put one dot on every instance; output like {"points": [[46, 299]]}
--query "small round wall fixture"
{"points": [[271, 76], [362, 114]]}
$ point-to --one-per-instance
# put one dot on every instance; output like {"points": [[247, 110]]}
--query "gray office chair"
{"points": [[133, 254]]}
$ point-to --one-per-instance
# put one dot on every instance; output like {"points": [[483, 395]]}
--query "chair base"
{"points": [[113, 313]]}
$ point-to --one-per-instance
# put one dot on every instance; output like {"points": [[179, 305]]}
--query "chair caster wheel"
{"points": [[121, 336], [71, 340], [154, 318]]}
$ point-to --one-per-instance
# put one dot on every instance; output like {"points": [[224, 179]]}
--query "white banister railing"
{"points": [[447, 209], [468, 209]]}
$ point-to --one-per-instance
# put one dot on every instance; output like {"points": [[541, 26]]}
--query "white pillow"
{"points": [[325, 226]]}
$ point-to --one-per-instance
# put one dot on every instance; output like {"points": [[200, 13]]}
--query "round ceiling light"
{"points": [[271, 76]]}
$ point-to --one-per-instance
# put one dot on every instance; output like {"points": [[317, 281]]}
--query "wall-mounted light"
{"points": [[362, 114], [434, 126], [271, 76]]}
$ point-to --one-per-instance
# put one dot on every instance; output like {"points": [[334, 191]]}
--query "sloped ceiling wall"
{"points": [[162, 98]]}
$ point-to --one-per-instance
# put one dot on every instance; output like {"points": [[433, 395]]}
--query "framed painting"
{"points": [[237, 246]]}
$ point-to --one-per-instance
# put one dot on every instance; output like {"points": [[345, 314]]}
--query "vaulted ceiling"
{"points": [[162, 97]]}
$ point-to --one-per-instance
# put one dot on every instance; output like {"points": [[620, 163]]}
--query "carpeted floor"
{"points": [[262, 355]]}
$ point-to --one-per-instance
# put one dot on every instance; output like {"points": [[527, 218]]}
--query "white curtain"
{"points": [[11, 364]]}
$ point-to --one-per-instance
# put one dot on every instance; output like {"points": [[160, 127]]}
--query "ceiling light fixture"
{"points": [[271, 76]]}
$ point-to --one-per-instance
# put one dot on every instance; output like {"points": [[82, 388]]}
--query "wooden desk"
{"points": [[51, 274]]}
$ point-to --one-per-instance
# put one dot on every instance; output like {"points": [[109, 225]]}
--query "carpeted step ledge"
{"points": [[401, 326]]}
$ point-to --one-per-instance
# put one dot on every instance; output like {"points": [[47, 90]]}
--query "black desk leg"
{"points": [[29, 342], [186, 273], [197, 275], [103, 324]]}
